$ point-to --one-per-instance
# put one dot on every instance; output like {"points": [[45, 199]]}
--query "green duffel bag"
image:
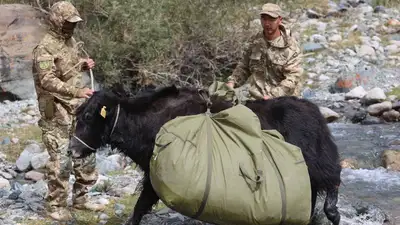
{"points": [[223, 169]]}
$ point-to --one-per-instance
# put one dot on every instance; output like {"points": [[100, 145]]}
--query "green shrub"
{"points": [[137, 42]]}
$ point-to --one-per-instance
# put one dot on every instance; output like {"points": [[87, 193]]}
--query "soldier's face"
{"points": [[68, 29], [270, 24]]}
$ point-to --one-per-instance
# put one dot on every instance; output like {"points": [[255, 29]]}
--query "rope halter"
{"points": [[112, 131]]}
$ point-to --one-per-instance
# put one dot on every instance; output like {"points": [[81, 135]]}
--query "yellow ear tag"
{"points": [[103, 112]]}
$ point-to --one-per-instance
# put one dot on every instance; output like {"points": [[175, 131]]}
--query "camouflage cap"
{"points": [[272, 10], [65, 11]]}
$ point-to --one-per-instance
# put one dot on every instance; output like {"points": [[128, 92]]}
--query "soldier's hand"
{"points": [[266, 97], [230, 84], [88, 63], [84, 93]]}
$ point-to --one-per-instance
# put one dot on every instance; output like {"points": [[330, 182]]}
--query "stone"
{"points": [[4, 184], [341, 85], [356, 93], [335, 38], [374, 95], [356, 116], [365, 50], [34, 175], [378, 108], [391, 116], [21, 28], [349, 163], [312, 47], [392, 49], [370, 120], [6, 141], [111, 163], [6, 175], [391, 160], [329, 114], [317, 38], [40, 160], [24, 161]]}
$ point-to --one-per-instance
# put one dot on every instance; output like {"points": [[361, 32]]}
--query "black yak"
{"points": [[131, 125]]}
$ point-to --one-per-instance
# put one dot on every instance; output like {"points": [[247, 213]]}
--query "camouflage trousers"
{"points": [[61, 165]]}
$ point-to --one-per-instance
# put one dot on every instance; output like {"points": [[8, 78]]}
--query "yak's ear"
{"points": [[103, 112]]}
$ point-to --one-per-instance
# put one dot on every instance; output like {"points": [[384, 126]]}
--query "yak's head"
{"points": [[94, 123]]}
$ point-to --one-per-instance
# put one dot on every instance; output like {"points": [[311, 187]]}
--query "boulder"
{"points": [[379, 108], [21, 28], [391, 160], [329, 114]]}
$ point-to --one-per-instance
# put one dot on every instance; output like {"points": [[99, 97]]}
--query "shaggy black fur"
{"points": [[298, 120]]}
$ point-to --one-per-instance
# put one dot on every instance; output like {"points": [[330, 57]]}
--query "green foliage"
{"points": [[137, 42]]}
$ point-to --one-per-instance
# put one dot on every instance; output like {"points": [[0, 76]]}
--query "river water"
{"points": [[371, 183]]}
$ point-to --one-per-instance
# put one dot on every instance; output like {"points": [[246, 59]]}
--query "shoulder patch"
{"points": [[44, 65]]}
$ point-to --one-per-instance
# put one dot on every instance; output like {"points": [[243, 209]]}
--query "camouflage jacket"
{"points": [[274, 67], [58, 76]]}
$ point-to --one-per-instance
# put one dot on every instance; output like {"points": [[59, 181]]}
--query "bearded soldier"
{"points": [[272, 59], [57, 68]]}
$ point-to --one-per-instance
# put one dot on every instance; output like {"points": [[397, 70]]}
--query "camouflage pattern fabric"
{"points": [[272, 68], [57, 73]]}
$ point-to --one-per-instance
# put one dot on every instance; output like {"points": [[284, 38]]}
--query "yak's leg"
{"points": [[330, 208], [314, 195], [147, 199]]}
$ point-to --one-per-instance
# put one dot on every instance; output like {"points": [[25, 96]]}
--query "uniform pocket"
{"points": [[46, 107]]}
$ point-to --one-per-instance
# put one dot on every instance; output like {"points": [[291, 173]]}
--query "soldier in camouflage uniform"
{"points": [[272, 59], [57, 69]]}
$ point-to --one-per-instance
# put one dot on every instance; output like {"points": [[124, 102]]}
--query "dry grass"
{"points": [[387, 3], [394, 91], [26, 133]]}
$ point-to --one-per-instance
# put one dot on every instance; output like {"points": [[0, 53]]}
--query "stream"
{"points": [[371, 183]]}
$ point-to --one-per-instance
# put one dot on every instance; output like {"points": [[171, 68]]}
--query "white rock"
{"points": [[375, 95], [395, 42], [317, 38], [311, 75], [4, 184], [357, 92], [24, 161], [392, 49], [111, 163], [323, 78], [103, 216], [366, 9], [6, 175], [329, 114], [102, 201], [376, 38], [350, 52], [335, 38], [321, 27], [14, 140], [40, 160], [365, 50]]}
